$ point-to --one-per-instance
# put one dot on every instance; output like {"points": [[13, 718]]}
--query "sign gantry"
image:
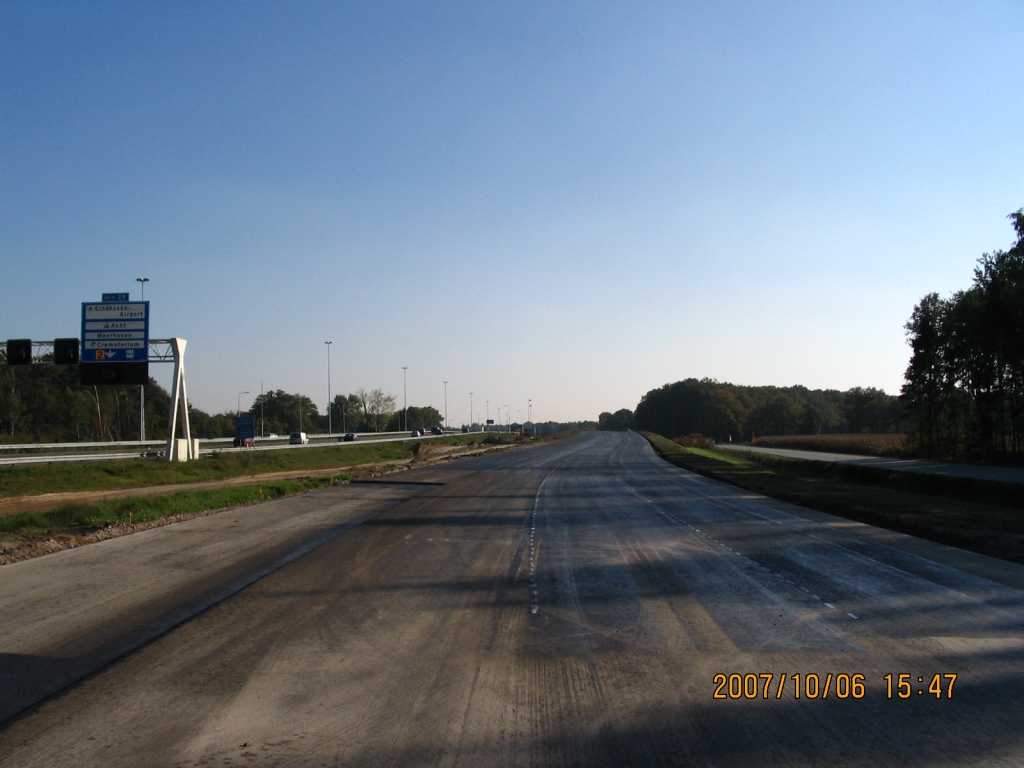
{"points": [[115, 348]]}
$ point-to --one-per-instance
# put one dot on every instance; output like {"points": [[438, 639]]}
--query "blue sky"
{"points": [[569, 203]]}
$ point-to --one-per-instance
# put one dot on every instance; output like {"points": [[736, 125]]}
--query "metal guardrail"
{"points": [[209, 442], [212, 446]]}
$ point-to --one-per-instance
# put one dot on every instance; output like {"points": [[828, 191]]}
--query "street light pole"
{"points": [[508, 418], [142, 387], [238, 404], [470, 411], [405, 401], [529, 411], [263, 432], [329, 424], [446, 405]]}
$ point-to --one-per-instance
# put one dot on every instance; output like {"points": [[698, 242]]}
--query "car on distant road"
{"points": [[298, 438], [348, 438], [437, 431]]}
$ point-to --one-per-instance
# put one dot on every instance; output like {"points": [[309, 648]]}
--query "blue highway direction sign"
{"points": [[115, 331], [245, 427]]}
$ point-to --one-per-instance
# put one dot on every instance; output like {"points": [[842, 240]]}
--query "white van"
{"points": [[298, 438]]}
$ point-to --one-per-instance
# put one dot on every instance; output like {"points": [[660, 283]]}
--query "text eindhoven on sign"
{"points": [[115, 330]]}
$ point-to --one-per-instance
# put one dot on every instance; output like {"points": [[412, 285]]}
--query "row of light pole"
{"points": [[330, 404], [405, 401]]}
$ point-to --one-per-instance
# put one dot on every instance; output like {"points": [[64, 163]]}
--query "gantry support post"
{"points": [[179, 449]]}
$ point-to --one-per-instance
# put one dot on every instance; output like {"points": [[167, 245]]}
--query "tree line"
{"points": [[723, 410], [46, 403], [279, 412], [965, 381]]}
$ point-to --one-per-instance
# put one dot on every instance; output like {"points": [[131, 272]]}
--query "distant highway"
{"points": [[976, 471], [581, 603], [65, 452]]}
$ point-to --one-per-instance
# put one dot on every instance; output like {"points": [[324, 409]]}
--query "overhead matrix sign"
{"points": [[115, 330]]}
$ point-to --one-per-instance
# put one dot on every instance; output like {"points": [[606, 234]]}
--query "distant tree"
{"points": [[556, 427], [620, 421], [870, 410], [377, 407], [724, 410], [347, 412], [284, 412], [779, 416], [426, 417], [726, 414], [964, 388]]}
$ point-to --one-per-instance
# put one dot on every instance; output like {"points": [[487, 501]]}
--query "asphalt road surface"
{"points": [[566, 605]]}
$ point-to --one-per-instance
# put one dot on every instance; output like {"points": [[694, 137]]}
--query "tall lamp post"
{"points": [[329, 425], [405, 401], [446, 405], [470, 411], [142, 387], [529, 411], [238, 403], [508, 418]]}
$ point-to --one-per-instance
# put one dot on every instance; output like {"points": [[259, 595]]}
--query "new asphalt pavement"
{"points": [[582, 603]]}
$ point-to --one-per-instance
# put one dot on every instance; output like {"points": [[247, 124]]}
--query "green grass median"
{"points": [[142, 509], [32, 479]]}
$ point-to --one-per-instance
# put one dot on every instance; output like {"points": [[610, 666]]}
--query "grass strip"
{"points": [[144, 509], [137, 473], [991, 524]]}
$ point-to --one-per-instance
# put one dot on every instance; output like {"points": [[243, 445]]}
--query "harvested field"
{"points": [[888, 444]]}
